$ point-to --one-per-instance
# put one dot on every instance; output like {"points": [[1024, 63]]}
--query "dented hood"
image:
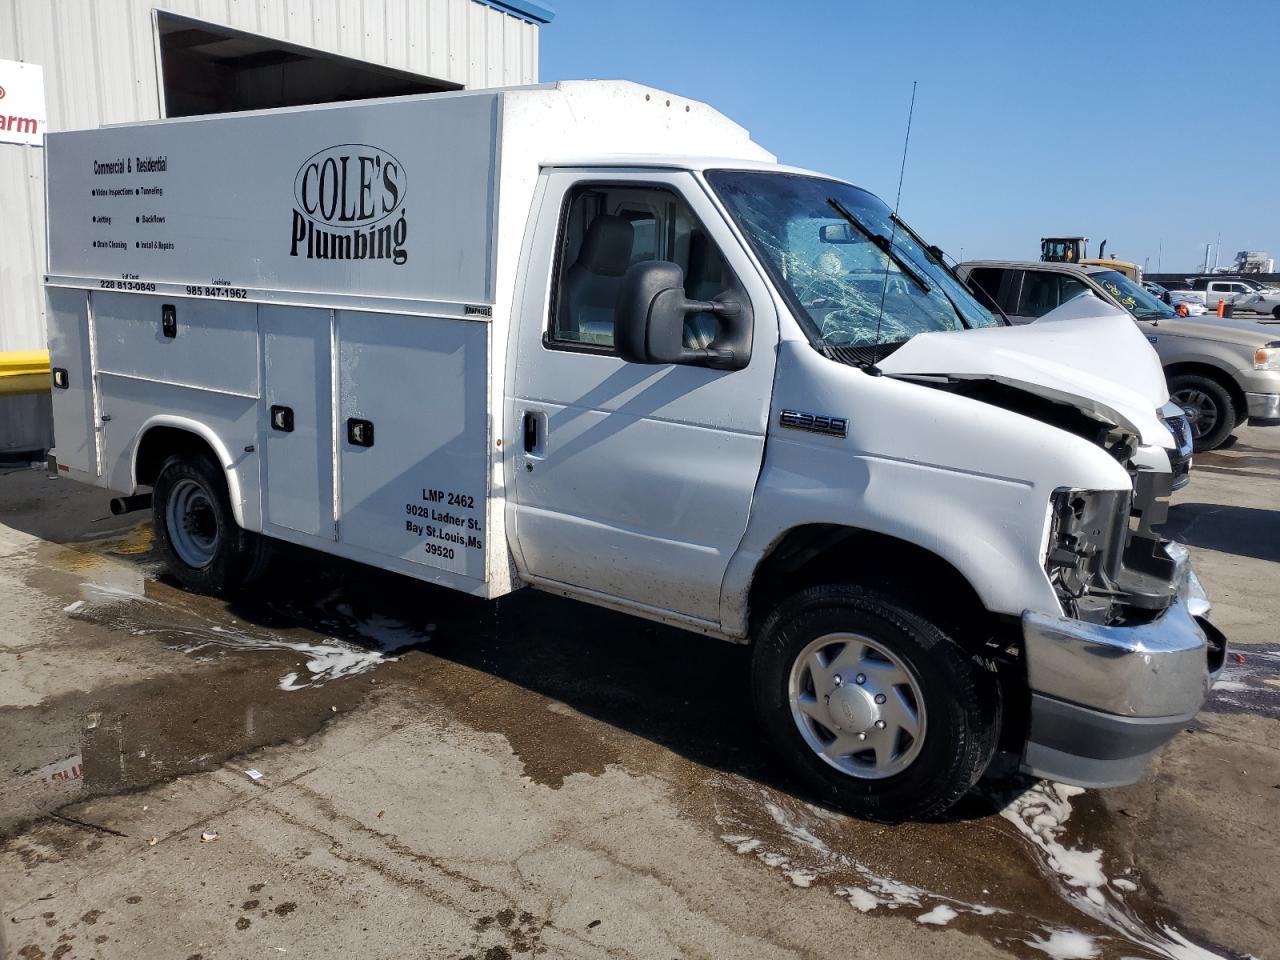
{"points": [[1085, 353]]}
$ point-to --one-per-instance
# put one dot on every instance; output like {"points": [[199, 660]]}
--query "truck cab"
{"points": [[703, 388]]}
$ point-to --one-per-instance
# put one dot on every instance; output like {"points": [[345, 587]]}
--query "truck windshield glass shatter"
{"points": [[1132, 297], [836, 270]]}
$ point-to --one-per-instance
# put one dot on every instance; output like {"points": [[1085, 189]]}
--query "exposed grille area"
{"points": [[1180, 459]]}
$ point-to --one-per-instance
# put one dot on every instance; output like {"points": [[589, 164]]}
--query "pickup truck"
{"points": [[1242, 293], [1222, 372], [491, 340]]}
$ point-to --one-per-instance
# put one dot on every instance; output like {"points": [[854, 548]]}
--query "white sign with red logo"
{"points": [[22, 118]]}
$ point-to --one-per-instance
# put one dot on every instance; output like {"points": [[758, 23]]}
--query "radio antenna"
{"points": [[893, 232]]}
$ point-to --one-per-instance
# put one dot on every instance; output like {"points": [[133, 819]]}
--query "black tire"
{"points": [[1276, 313], [961, 701], [238, 557], [1210, 409]]}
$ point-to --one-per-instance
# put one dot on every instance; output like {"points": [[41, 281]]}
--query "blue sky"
{"points": [[1134, 122]]}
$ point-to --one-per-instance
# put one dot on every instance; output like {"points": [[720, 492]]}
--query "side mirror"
{"points": [[649, 320]]}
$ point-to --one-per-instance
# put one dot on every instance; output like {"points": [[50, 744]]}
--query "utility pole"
{"points": [[1160, 256]]}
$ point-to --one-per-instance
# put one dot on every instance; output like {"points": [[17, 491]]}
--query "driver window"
{"points": [[604, 230]]}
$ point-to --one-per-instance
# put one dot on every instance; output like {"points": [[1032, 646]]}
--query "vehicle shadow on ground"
{"points": [[682, 691], [1244, 531]]}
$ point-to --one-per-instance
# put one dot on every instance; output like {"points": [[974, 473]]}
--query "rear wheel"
{"points": [[201, 542], [876, 708], [1276, 313], [1209, 408]]}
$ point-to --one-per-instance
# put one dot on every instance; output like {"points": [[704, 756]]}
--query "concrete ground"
{"points": [[354, 765]]}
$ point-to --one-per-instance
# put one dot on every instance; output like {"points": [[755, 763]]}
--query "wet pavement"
{"points": [[442, 776]]}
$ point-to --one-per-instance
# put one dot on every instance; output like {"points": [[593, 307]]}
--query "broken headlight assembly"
{"points": [[1104, 561]]}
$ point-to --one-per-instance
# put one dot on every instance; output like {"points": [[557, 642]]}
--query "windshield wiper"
{"points": [[881, 241], [934, 254]]}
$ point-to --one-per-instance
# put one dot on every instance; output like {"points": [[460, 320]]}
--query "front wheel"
{"points": [[1208, 406], [203, 546], [1276, 313], [876, 708]]}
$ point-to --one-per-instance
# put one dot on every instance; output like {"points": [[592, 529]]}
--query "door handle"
{"points": [[282, 419], [530, 433]]}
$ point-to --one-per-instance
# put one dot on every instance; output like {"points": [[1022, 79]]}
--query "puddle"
{"points": [[1249, 687], [1078, 905], [118, 599], [246, 677], [126, 736], [52, 785]]}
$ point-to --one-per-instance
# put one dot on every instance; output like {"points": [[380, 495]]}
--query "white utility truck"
{"points": [[492, 339]]}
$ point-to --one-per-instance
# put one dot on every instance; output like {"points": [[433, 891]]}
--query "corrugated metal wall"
{"points": [[99, 59]]}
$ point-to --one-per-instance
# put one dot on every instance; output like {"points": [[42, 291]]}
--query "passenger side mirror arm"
{"points": [[649, 320], [718, 358]]}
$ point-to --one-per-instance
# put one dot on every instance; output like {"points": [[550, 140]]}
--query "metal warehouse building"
{"points": [[69, 64]]}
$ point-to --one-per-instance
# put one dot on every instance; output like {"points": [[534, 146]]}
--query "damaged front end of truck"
{"points": [[1132, 655], [1050, 507]]}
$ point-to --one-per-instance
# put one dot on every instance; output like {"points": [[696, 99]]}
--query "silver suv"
{"points": [[1221, 372]]}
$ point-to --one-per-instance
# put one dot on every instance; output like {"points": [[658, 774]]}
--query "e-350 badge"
{"points": [[814, 422]]}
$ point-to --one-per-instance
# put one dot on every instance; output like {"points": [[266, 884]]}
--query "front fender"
{"points": [[968, 481]]}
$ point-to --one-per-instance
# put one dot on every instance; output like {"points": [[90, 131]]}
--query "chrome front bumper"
{"points": [[1104, 699], [1263, 406]]}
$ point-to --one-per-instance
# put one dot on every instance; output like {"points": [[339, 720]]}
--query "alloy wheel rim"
{"points": [[857, 705], [192, 523], [1201, 411]]}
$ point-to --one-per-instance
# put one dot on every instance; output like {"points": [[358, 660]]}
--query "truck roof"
{"points": [[677, 162], [624, 100]]}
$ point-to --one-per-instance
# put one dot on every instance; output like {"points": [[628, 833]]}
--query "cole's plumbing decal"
{"points": [[349, 205], [177, 202]]}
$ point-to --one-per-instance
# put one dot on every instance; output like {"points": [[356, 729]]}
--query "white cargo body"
{"points": [[590, 338], [347, 263]]}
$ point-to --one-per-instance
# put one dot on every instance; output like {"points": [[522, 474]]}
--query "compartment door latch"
{"points": [[168, 320], [359, 432]]}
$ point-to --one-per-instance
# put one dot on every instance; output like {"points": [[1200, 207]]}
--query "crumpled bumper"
{"points": [[1104, 699]]}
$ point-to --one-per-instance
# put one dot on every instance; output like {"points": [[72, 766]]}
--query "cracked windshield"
{"points": [[853, 277]]}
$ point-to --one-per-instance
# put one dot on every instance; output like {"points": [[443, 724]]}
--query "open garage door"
{"points": [[207, 68]]}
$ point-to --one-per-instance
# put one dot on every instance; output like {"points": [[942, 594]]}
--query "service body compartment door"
{"points": [[297, 446], [75, 424], [413, 437], [202, 344]]}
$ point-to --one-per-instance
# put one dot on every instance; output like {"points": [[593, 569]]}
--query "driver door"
{"points": [[632, 482]]}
